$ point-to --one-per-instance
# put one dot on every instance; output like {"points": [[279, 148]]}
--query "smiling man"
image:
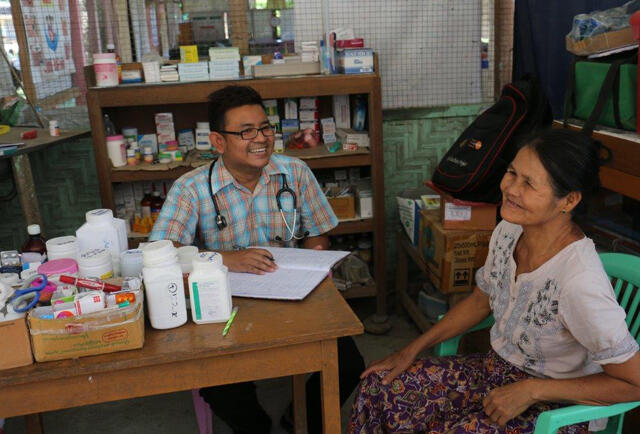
{"points": [[247, 197], [252, 197]]}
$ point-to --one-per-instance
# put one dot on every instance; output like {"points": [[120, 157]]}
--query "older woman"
{"points": [[559, 336]]}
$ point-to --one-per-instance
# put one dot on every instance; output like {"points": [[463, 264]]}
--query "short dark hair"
{"points": [[572, 160], [227, 98]]}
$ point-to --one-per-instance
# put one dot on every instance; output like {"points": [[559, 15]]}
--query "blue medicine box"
{"points": [[355, 60]]}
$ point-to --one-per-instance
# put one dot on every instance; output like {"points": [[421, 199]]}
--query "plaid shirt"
{"points": [[253, 218]]}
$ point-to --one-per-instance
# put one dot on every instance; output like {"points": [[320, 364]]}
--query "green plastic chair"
{"points": [[624, 272]]}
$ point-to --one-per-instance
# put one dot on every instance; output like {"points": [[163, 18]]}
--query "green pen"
{"points": [[228, 324]]}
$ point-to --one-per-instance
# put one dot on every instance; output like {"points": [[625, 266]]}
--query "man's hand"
{"points": [[256, 261], [506, 402]]}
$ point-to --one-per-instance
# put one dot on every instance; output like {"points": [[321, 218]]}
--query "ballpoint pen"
{"points": [[228, 324]]}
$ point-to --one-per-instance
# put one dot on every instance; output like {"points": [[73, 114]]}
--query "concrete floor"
{"points": [[173, 413]]}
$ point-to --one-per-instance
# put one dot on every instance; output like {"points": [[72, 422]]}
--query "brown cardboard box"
{"points": [[452, 256], [15, 340], [101, 332], [344, 207], [602, 42], [454, 215]]}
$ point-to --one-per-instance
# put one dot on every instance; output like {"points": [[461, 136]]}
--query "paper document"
{"points": [[299, 272]]}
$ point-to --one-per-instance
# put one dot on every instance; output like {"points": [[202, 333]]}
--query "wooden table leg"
{"points": [[26, 189], [33, 423], [299, 403], [401, 274], [330, 388]]}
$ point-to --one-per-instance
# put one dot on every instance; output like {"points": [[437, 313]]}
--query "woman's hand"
{"points": [[396, 363], [256, 261], [506, 402]]}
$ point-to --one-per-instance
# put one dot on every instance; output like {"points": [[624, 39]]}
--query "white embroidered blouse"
{"points": [[561, 320]]}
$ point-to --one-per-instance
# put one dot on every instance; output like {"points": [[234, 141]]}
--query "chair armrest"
{"points": [[549, 421], [450, 346]]}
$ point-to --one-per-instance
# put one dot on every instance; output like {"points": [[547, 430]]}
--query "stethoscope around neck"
{"points": [[221, 221]]}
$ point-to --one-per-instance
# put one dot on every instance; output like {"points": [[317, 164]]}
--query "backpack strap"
{"points": [[605, 92], [569, 95]]}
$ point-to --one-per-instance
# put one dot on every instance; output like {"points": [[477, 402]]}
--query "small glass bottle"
{"points": [[35, 249]]}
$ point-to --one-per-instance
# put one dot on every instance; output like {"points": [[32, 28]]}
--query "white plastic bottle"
{"points": [[103, 231], [163, 285], [209, 289]]}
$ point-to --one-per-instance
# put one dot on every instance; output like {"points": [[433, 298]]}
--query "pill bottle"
{"points": [[209, 290], [54, 129], [103, 231], [63, 247], [106, 69], [95, 264], [203, 142], [130, 134], [116, 150], [185, 258], [164, 289], [148, 154], [131, 263], [131, 157]]}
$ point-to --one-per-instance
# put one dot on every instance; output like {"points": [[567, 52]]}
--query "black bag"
{"points": [[473, 167]]}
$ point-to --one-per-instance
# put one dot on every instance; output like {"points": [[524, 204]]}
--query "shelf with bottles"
{"points": [[346, 110]]}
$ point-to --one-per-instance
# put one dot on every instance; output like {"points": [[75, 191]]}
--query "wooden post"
{"points": [[239, 25], [26, 189], [25, 61], [503, 24]]}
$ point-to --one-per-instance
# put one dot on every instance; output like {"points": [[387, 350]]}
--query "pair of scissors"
{"points": [[28, 295]]}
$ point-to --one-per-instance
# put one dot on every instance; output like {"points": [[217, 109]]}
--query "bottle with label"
{"points": [[156, 205], [164, 289], [103, 231], [209, 289], [145, 204], [112, 49], [35, 249], [109, 128]]}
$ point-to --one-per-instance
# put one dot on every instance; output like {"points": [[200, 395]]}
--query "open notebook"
{"points": [[299, 272]]}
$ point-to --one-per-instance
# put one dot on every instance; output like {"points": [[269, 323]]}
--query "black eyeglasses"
{"points": [[252, 133]]}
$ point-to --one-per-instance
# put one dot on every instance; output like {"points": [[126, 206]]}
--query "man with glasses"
{"points": [[252, 197]]}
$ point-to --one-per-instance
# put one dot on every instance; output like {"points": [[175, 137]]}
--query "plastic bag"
{"points": [[597, 22]]}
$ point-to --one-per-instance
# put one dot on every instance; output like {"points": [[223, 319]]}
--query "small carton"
{"points": [[15, 341], [602, 42], [452, 256], [344, 205], [106, 331], [456, 214]]}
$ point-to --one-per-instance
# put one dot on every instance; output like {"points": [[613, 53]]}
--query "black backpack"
{"points": [[473, 167]]}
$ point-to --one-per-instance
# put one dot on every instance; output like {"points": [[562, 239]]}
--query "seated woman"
{"points": [[559, 334]]}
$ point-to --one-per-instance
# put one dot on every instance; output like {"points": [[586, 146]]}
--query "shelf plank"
{"points": [[359, 291], [346, 159], [352, 227], [198, 92], [148, 175]]}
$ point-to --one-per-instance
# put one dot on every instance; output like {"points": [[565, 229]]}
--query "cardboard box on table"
{"points": [[101, 332], [452, 256], [14, 336]]}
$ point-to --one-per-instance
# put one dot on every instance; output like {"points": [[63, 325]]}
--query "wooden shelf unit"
{"points": [[135, 105]]}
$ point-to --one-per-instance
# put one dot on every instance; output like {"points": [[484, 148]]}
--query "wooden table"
{"points": [[22, 166], [268, 339]]}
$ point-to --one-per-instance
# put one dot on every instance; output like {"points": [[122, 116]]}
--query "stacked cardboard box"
{"points": [[452, 256]]}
